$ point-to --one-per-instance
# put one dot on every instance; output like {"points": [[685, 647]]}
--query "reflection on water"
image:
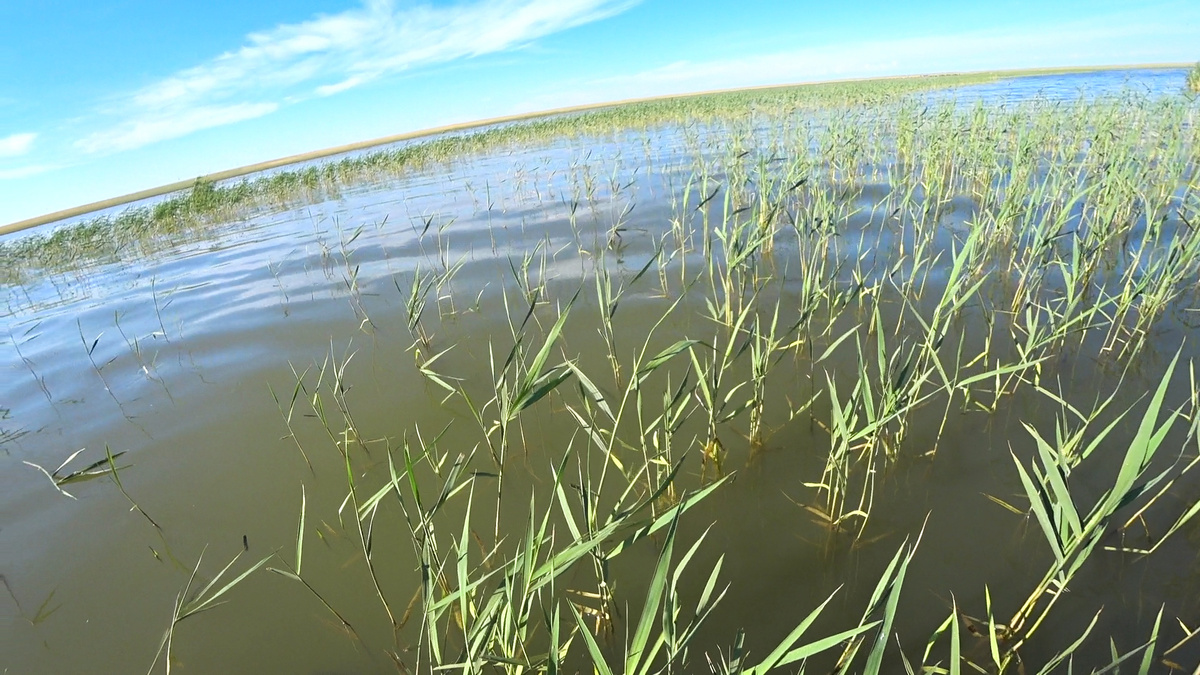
{"points": [[1090, 85], [189, 362]]}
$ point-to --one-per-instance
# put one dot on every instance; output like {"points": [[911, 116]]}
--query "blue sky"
{"points": [[103, 99]]}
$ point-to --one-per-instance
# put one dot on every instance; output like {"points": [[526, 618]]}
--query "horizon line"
{"points": [[178, 186]]}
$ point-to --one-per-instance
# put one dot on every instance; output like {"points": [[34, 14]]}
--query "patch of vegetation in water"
{"points": [[1079, 248], [206, 205], [881, 333]]}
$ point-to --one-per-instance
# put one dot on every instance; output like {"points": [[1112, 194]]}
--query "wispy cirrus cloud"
{"points": [[145, 129], [330, 54], [25, 171], [17, 144]]}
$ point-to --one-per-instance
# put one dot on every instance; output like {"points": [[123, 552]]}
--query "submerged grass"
{"points": [[816, 247], [1079, 244], [141, 230]]}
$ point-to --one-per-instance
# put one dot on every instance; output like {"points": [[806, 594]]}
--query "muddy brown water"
{"points": [[172, 359]]}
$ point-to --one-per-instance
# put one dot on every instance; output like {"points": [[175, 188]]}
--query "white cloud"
{"points": [[16, 144], [330, 54], [25, 171], [150, 129], [348, 83]]}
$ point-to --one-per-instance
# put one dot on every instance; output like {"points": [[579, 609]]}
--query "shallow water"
{"points": [[178, 360], [1152, 81]]}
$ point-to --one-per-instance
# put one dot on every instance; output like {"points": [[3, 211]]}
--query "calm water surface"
{"points": [[173, 359]]}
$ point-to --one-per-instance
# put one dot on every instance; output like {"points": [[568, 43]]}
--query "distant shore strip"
{"points": [[177, 186]]}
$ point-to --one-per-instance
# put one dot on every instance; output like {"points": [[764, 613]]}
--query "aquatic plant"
{"points": [[210, 204], [874, 286]]}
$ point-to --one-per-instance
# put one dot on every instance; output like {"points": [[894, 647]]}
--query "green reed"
{"points": [[850, 258], [208, 206]]}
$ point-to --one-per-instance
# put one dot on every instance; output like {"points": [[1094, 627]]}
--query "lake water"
{"points": [[187, 361]]}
